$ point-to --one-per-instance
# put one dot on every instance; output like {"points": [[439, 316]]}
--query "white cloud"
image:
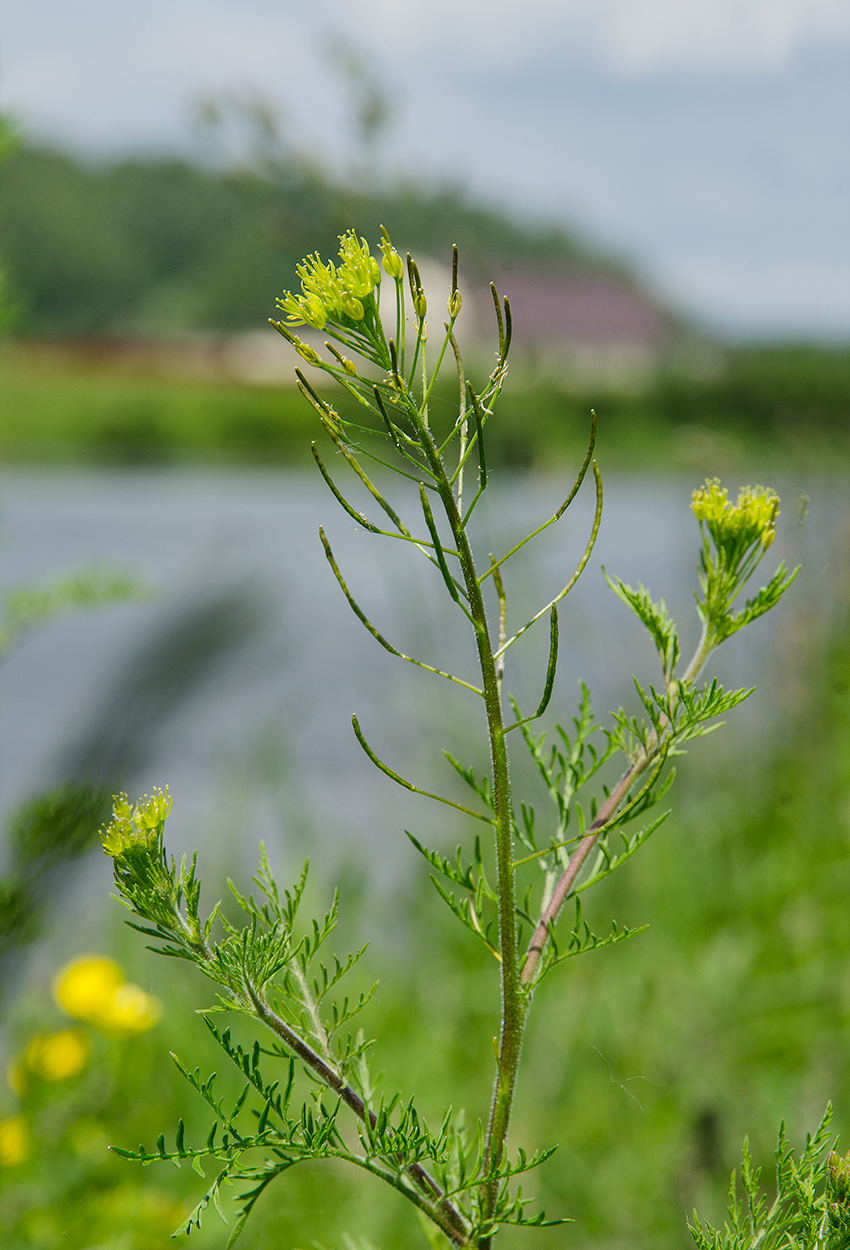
{"points": [[627, 36]]}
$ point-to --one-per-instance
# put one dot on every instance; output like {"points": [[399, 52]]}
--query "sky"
{"points": [[707, 142]]}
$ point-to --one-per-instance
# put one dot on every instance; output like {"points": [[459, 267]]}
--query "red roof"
{"points": [[579, 307]]}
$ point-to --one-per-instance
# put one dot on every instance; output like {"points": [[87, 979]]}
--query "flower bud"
{"points": [[839, 1171], [392, 262], [352, 307], [306, 352], [455, 302], [314, 312]]}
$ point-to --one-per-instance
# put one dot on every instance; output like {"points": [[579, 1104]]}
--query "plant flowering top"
{"points": [[737, 526], [343, 298], [136, 828], [334, 293], [741, 534]]}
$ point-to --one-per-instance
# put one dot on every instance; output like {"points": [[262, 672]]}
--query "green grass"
{"points": [[72, 420], [772, 409]]}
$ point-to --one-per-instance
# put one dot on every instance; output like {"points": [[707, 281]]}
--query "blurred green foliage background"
{"points": [[100, 254], [648, 1063]]}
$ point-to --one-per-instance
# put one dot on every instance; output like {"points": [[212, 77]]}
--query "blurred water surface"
{"points": [[235, 683]]}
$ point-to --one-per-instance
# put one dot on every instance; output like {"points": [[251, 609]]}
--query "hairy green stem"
{"points": [[514, 1001], [443, 1212]]}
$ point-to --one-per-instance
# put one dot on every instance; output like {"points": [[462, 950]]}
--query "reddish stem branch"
{"points": [[565, 884], [452, 1223], [561, 892]]}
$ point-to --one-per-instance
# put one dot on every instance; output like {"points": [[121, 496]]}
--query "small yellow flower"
{"points": [[87, 985], [737, 527], [57, 1056], [710, 501], [352, 307], [359, 272], [14, 1141], [137, 826], [757, 510]]}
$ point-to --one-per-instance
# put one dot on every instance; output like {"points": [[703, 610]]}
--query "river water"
{"points": [[235, 682]]}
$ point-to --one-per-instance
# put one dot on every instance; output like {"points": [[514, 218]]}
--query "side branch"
{"points": [[576, 575], [608, 814], [388, 646], [446, 1214], [408, 785]]}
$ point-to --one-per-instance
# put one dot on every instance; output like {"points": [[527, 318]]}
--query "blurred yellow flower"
{"points": [[57, 1056], [14, 1141], [86, 985], [131, 1010], [93, 989]]}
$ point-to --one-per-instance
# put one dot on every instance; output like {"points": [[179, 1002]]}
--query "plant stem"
{"points": [[565, 883], [514, 1002], [443, 1212]]}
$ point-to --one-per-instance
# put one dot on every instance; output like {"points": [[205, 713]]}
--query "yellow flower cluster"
{"points": [[92, 988], [141, 825], [332, 292], [752, 519]]}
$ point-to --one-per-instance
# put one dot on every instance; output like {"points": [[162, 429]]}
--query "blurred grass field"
{"points": [[771, 407], [648, 1063]]}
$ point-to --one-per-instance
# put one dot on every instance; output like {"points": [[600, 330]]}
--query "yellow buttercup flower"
{"points": [[87, 985], [57, 1056], [14, 1141]]}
